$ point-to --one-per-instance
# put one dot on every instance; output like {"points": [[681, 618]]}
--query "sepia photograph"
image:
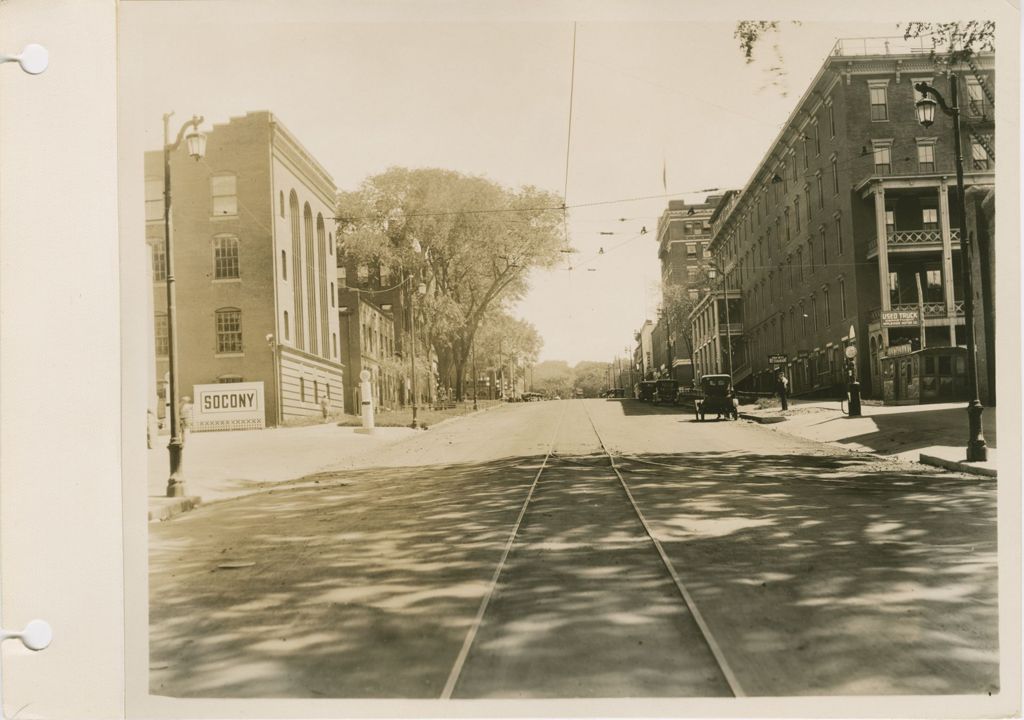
{"points": [[524, 358]]}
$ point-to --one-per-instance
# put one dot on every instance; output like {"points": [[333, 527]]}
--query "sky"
{"points": [[364, 90]]}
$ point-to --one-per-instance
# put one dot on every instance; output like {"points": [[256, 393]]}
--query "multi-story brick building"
{"points": [[849, 212], [684, 233], [372, 321], [254, 266]]}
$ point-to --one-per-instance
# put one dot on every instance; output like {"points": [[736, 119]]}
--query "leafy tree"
{"points": [[553, 377], [591, 377], [676, 306], [501, 338], [470, 240]]}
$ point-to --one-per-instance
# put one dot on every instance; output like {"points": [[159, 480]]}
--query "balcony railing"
{"points": [[734, 328], [911, 238], [931, 310]]}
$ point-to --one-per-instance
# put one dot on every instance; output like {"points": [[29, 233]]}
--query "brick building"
{"points": [[254, 265], [372, 322], [684, 233], [849, 212]]}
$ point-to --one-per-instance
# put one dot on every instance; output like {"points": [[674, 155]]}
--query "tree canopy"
{"points": [[470, 240]]}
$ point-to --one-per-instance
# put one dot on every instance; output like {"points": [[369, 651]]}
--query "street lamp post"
{"points": [[272, 342], [421, 290], [712, 271], [196, 143], [475, 376], [976, 448]]}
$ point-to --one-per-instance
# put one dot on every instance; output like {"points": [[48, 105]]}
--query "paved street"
{"points": [[815, 571]]}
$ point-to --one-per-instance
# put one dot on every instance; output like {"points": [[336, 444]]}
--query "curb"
{"points": [[958, 466], [166, 509], [763, 419]]}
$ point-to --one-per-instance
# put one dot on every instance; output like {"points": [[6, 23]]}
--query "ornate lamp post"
{"points": [[196, 143], [976, 448]]}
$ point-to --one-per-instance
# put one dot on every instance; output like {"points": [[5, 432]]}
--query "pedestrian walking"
{"points": [[185, 417], [325, 408], [781, 385]]}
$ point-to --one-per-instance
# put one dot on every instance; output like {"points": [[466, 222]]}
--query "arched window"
{"points": [[312, 342], [293, 209], [287, 328], [281, 201], [321, 255], [332, 294], [225, 257], [229, 330], [284, 264]]}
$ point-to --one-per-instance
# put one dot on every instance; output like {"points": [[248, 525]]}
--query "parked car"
{"points": [[716, 396], [665, 391]]}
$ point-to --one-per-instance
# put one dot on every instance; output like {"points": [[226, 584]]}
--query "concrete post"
{"points": [[366, 397]]}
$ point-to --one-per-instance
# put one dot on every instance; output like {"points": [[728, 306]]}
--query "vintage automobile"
{"points": [[716, 397], [665, 391], [645, 390]]}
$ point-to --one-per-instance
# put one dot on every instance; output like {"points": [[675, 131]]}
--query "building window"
{"points": [[828, 307], [229, 330], [280, 200], [284, 265], [814, 313], [159, 261], [334, 345], [977, 103], [929, 219], [831, 121], [821, 192], [835, 175], [691, 250], [224, 194], [362, 272], [332, 295], [979, 157], [810, 254], [302, 389], [842, 296], [839, 236], [807, 203], [154, 199], [287, 327], [817, 137], [883, 158], [796, 214], [160, 334], [824, 248], [330, 243], [878, 90], [805, 152], [316, 391], [890, 222], [225, 257], [926, 157], [342, 277]]}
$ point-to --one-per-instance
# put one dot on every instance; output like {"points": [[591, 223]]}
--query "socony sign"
{"points": [[228, 406]]}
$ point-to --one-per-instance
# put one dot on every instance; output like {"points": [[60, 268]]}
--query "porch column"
{"points": [[883, 254], [947, 259]]}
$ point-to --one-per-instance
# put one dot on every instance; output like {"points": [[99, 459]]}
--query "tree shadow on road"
{"points": [[830, 574], [817, 574]]}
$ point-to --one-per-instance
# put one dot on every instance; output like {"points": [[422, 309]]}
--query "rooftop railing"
{"points": [[881, 46]]}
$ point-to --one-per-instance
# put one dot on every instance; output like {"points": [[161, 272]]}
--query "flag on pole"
{"points": [[664, 174]]}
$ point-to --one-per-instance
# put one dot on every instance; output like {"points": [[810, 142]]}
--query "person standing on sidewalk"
{"points": [[185, 417], [781, 385], [325, 408]]}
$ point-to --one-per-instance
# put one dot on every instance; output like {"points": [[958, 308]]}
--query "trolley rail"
{"points": [[716, 651]]}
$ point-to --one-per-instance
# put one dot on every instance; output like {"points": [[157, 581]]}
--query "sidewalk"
{"points": [[222, 465], [935, 434]]}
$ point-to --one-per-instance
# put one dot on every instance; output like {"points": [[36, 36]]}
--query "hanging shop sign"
{"points": [[778, 359]]}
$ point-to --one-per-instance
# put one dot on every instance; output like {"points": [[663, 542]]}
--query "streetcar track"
{"points": [[467, 643], [705, 630], [577, 460]]}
